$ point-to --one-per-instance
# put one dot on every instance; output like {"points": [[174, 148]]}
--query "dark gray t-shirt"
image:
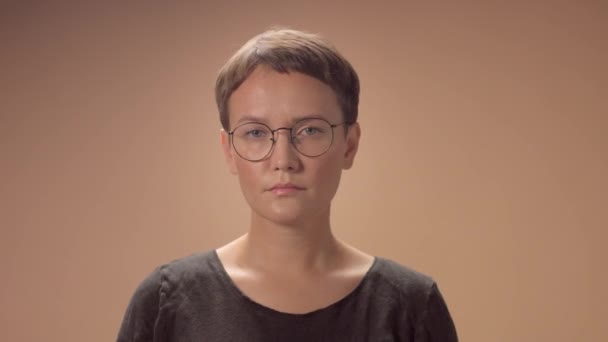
{"points": [[194, 299]]}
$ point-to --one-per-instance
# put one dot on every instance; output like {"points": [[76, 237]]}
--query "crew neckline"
{"points": [[239, 295]]}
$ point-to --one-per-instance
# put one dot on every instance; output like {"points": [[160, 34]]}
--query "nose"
{"points": [[284, 156]]}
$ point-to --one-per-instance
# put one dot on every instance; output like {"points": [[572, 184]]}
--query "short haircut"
{"points": [[287, 50]]}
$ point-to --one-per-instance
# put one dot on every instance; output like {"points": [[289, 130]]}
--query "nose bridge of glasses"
{"points": [[288, 144], [275, 133]]}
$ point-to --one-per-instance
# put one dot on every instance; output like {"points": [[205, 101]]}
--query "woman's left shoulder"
{"points": [[401, 277], [418, 297], [403, 284]]}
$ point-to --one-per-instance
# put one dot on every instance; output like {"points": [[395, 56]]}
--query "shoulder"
{"points": [[419, 298], [188, 265], [189, 271], [401, 278], [150, 300], [179, 273], [400, 284]]}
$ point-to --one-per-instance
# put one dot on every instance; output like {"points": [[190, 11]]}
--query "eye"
{"points": [[252, 131], [309, 130], [256, 133]]}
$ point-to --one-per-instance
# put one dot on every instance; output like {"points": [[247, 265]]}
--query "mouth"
{"points": [[285, 189]]}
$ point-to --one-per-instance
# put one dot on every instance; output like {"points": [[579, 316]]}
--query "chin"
{"points": [[286, 216], [289, 211], [294, 215]]}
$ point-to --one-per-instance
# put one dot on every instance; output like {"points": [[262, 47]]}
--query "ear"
{"points": [[227, 148], [352, 145]]}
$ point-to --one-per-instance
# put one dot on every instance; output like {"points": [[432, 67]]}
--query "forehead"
{"points": [[282, 98]]}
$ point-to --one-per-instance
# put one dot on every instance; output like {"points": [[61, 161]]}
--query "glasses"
{"points": [[254, 141]]}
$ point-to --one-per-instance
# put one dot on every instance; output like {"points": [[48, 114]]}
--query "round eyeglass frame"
{"points": [[291, 137]]}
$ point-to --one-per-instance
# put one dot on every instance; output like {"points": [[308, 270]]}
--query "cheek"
{"points": [[248, 175], [328, 176]]}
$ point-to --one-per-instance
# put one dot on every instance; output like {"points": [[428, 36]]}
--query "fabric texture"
{"points": [[194, 299]]}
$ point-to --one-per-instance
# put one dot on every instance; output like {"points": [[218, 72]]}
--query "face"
{"points": [[280, 100]]}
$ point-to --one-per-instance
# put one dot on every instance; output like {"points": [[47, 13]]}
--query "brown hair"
{"points": [[286, 50]]}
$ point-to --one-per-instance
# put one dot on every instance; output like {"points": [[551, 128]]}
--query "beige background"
{"points": [[483, 161]]}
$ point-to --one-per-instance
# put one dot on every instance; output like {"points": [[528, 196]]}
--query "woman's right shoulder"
{"points": [[153, 296], [182, 272]]}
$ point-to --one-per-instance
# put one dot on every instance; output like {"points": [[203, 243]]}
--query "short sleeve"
{"points": [[140, 319], [435, 323]]}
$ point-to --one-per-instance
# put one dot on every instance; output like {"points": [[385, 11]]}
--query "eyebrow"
{"points": [[252, 118]]}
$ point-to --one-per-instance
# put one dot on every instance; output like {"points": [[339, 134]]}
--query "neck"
{"points": [[297, 248]]}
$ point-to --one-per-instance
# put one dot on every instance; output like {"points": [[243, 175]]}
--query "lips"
{"points": [[285, 189]]}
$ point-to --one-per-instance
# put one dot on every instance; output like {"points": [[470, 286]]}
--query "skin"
{"points": [[290, 260]]}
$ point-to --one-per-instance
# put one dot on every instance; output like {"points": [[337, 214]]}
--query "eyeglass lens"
{"points": [[254, 141]]}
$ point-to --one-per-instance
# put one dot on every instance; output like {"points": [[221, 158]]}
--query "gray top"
{"points": [[194, 299]]}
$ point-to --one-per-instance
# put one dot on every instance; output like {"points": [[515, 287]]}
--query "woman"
{"points": [[288, 106]]}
